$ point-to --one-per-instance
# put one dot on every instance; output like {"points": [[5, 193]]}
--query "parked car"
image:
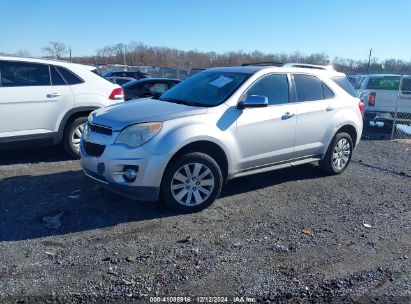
{"points": [[131, 74], [194, 71], [221, 124], [148, 87], [119, 80], [48, 101], [384, 95], [354, 79]]}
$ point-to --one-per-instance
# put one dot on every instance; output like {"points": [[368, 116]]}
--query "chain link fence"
{"points": [[387, 99], [151, 71]]}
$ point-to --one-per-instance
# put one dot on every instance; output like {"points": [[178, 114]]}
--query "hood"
{"points": [[127, 113]]}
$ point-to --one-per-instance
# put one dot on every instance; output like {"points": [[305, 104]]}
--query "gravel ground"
{"points": [[293, 235]]}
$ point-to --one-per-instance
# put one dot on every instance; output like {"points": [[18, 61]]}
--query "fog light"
{"points": [[130, 173]]}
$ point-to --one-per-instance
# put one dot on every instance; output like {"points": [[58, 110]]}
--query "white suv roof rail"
{"points": [[38, 58], [309, 66]]}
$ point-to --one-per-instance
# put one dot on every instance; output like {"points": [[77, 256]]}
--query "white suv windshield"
{"points": [[206, 89]]}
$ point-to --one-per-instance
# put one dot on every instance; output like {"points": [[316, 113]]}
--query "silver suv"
{"points": [[221, 124]]}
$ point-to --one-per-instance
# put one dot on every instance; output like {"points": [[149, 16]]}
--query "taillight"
{"points": [[371, 99], [361, 106], [117, 94]]}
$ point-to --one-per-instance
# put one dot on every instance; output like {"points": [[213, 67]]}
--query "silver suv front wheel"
{"points": [[191, 182]]}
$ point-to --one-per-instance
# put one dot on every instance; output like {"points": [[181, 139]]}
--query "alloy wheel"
{"points": [[341, 154], [192, 184], [76, 136]]}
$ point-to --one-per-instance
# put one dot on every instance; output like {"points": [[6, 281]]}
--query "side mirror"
{"points": [[254, 101]]}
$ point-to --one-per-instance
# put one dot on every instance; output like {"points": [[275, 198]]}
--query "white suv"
{"points": [[48, 101], [221, 124]]}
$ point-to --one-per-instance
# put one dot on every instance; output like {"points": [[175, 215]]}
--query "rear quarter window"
{"points": [[69, 76], [345, 84]]}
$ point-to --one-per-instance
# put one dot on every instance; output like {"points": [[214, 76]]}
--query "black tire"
{"points": [[327, 164], [166, 193], [70, 147]]}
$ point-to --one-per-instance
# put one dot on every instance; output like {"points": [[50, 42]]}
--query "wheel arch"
{"points": [[347, 128], [70, 116], [351, 130], [207, 147]]}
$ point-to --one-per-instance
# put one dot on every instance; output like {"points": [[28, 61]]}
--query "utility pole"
{"points": [[70, 53], [124, 55], [369, 60]]}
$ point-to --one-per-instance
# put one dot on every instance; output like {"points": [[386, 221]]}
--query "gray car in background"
{"points": [[221, 124]]}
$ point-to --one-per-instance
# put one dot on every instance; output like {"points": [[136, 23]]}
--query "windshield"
{"points": [[205, 89], [345, 84]]}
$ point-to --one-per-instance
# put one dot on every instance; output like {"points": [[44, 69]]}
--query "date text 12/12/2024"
{"points": [[202, 299]]}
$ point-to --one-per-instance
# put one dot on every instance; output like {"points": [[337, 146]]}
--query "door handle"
{"points": [[287, 115], [53, 95], [329, 108]]}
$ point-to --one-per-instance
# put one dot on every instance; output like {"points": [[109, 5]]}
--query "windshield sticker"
{"points": [[221, 81]]}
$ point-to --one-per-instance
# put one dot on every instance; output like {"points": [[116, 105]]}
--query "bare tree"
{"points": [[55, 49], [137, 53], [23, 53]]}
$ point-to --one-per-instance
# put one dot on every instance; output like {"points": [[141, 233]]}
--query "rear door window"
{"points": [[56, 78], [308, 88], [24, 74], [387, 83], [328, 94]]}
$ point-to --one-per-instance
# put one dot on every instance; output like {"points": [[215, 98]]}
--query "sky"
{"points": [[343, 28]]}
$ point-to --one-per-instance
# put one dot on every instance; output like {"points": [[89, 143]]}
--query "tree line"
{"points": [[139, 54]]}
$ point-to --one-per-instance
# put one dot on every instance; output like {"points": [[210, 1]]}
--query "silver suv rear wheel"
{"points": [[341, 154], [338, 154]]}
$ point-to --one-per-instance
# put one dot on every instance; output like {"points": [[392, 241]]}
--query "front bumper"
{"points": [[132, 192], [108, 169]]}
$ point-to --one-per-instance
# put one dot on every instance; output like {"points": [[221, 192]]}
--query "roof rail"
{"points": [[32, 57], [309, 66], [264, 63]]}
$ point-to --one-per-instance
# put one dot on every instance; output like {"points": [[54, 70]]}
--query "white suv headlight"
{"points": [[136, 135]]}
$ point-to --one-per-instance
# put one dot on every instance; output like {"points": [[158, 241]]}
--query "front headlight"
{"points": [[136, 135]]}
